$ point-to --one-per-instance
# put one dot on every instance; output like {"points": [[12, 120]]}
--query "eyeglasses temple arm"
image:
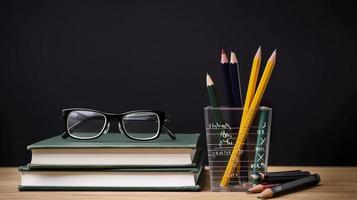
{"points": [[64, 135], [171, 134]]}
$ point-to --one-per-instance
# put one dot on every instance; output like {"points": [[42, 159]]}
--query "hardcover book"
{"points": [[143, 179], [113, 150]]}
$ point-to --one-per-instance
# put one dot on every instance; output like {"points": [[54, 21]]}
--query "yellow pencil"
{"points": [[247, 121], [252, 82], [251, 88]]}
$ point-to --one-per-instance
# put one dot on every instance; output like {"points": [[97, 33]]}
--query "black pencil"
{"points": [[290, 186], [279, 177], [235, 79], [227, 78], [284, 172]]}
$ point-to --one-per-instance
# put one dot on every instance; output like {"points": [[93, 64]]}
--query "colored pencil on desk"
{"points": [[290, 186], [247, 120], [284, 172], [227, 78], [279, 177]]}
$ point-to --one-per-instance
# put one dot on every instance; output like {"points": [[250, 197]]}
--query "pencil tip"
{"points": [[233, 58], [208, 80], [224, 58], [258, 53], [254, 176], [273, 56]]}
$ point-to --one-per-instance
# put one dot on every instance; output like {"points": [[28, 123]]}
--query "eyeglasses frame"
{"points": [[116, 116]]}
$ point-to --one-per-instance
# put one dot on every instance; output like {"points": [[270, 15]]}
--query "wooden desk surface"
{"points": [[336, 183]]}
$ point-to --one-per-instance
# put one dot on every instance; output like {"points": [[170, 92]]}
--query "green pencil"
{"points": [[217, 115], [259, 160]]}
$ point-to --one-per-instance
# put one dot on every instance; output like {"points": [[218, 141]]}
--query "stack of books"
{"points": [[115, 162]]}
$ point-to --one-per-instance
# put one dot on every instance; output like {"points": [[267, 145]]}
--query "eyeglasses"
{"points": [[86, 124]]}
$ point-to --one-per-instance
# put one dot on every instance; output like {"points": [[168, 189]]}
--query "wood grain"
{"points": [[336, 183]]}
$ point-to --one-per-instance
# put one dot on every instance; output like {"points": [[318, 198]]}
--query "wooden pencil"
{"points": [[237, 102], [227, 78], [261, 188], [279, 177], [290, 186], [252, 83], [235, 80], [247, 121], [213, 99], [249, 96]]}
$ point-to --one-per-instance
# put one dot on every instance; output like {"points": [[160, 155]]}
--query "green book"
{"points": [[136, 179], [114, 150]]}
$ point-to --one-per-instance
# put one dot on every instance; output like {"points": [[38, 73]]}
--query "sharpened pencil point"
{"points": [[258, 53], [254, 176], [267, 193], [272, 57], [209, 80], [224, 58], [250, 190], [234, 59]]}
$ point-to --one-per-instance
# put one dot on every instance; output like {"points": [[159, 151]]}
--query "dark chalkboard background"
{"points": [[122, 55]]}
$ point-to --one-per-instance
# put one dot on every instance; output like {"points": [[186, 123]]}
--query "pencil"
{"points": [[235, 80], [227, 78], [237, 102], [213, 99], [252, 83], [248, 119], [261, 187], [284, 172], [250, 91], [290, 186], [279, 177]]}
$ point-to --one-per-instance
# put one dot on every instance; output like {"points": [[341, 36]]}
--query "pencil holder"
{"points": [[222, 127]]}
